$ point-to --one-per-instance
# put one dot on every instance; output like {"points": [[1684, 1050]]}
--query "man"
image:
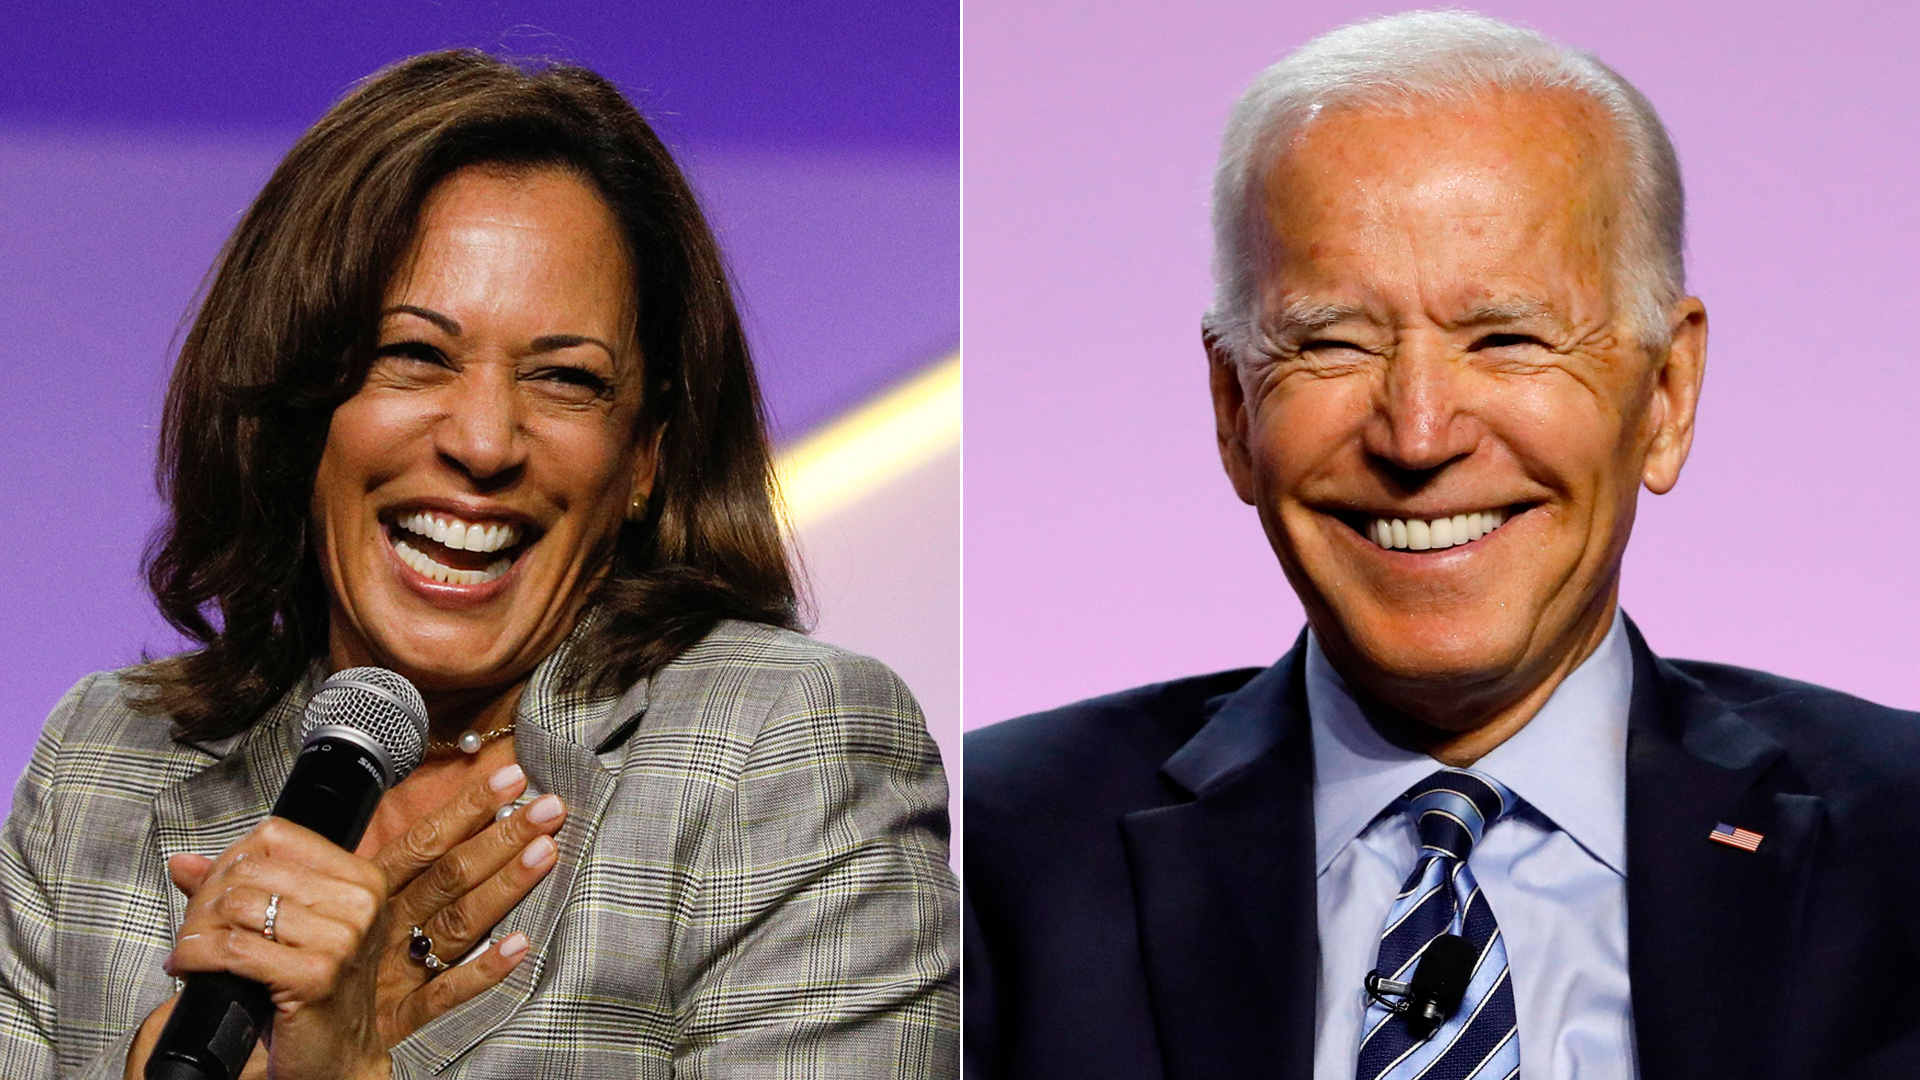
{"points": [[1451, 341]]}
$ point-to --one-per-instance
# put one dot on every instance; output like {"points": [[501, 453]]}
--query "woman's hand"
{"points": [[456, 886], [344, 988], [321, 962]]}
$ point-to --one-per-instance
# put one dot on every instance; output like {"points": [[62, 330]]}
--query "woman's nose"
{"points": [[480, 433]]}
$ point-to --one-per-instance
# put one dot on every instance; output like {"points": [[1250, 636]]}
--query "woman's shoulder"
{"points": [[102, 733], [752, 672], [736, 642]]}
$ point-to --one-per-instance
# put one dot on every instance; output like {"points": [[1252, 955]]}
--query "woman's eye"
{"points": [[575, 378], [1328, 345], [411, 350]]}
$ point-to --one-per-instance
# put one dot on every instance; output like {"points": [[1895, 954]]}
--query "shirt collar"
{"points": [[1569, 762]]}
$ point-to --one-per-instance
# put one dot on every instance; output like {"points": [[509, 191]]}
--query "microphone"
{"points": [[364, 730], [1439, 982]]}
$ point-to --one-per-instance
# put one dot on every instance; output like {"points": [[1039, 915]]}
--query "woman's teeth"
{"points": [[455, 535], [1446, 532], [460, 535], [427, 567]]}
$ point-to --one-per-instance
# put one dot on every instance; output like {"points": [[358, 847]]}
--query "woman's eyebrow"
{"points": [[544, 343], [432, 316], [550, 342]]}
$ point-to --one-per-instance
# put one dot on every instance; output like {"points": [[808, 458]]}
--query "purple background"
{"points": [[1104, 546], [823, 137]]}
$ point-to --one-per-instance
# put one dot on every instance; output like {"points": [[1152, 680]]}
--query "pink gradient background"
{"points": [[1103, 546]]}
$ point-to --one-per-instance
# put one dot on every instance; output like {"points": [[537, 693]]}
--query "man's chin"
{"points": [[1406, 660]]}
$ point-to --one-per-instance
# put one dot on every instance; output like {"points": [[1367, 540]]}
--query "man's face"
{"points": [[1450, 341]]}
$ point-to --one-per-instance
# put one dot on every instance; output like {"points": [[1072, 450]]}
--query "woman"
{"points": [[468, 398]]}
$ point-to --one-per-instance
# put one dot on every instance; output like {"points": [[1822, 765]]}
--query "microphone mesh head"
{"points": [[381, 703]]}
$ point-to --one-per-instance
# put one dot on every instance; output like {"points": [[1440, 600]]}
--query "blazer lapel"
{"points": [[556, 737], [1224, 887], [1709, 926], [206, 813]]}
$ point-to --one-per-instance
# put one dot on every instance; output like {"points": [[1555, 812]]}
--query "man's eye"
{"points": [[1328, 345], [1503, 341]]}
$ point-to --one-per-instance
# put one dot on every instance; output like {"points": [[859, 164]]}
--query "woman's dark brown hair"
{"points": [[287, 330]]}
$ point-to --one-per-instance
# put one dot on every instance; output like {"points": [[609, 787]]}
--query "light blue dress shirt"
{"points": [[1554, 871]]}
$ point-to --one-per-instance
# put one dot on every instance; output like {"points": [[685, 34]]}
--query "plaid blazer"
{"points": [[752, 879]]}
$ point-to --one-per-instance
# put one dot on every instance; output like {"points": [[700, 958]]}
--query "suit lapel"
{"points": [[1708, 925], [1224, 886]]}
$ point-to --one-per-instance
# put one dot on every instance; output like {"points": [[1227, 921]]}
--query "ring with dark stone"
{"points": [[420, 950]]}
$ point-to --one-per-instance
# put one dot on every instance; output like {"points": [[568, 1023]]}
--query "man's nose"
{"points": [[1418, 425], [481, 431]]}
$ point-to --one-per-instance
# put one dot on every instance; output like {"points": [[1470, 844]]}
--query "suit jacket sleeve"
{"points": [[30, 1035], [824, 922]]}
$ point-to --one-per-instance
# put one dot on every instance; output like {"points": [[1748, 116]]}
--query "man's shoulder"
{"points": [[1783, 705], [1836, 740], [1094, 751]]}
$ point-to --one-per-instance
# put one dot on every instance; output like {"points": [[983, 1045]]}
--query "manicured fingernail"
{"points": [[513, 946], [167, 964], [506, 778], [504, 812], [544, 809], [537, 852]]}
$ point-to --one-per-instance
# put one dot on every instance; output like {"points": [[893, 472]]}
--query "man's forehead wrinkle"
{"points": [[1559, 134]]}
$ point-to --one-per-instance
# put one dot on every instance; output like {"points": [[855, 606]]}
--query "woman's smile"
{"points": [[456, 559]]}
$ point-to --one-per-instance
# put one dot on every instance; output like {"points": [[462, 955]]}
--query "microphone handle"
{"points": [[335, 785]]}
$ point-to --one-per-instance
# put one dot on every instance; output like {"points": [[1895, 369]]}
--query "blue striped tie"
{"points": [[1480, 1041]]}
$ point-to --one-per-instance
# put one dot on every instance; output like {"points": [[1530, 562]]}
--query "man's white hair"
{"points": [[1442, 58]]}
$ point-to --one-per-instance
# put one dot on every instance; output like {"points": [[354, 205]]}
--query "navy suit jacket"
{"points": [[1140, 882]]}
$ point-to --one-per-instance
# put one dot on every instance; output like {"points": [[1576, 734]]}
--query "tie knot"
{"points": [[1453, 807]]}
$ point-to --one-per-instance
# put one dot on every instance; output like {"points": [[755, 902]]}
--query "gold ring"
{"points": [[273, 916]]}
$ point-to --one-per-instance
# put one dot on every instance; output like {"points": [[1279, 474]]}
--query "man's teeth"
{"points": [[460, 535], [447, 575], [1446, 532]]}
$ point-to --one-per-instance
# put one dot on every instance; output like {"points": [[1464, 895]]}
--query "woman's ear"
{"points": [[645, 468]]}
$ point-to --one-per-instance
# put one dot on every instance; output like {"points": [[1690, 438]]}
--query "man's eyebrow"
{"points": [[1305, 316], [432, 316], [1504, 310]]}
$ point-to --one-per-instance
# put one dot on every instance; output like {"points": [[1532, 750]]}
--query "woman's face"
{"points": [[469, 493]]}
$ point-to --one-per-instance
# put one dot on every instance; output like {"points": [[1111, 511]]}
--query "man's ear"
{"points": [[1676, 397], [1229, 413]]}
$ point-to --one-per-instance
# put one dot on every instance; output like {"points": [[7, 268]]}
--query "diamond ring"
{"points": [[420, 949]]}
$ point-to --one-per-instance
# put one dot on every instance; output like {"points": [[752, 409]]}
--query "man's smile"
{"points": [[1431, 534]]}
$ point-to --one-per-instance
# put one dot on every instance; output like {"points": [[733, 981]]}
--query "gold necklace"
{"points": [[470, 741]]}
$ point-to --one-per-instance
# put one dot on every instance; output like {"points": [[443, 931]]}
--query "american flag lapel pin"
{"points": [[1744, 839]]}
